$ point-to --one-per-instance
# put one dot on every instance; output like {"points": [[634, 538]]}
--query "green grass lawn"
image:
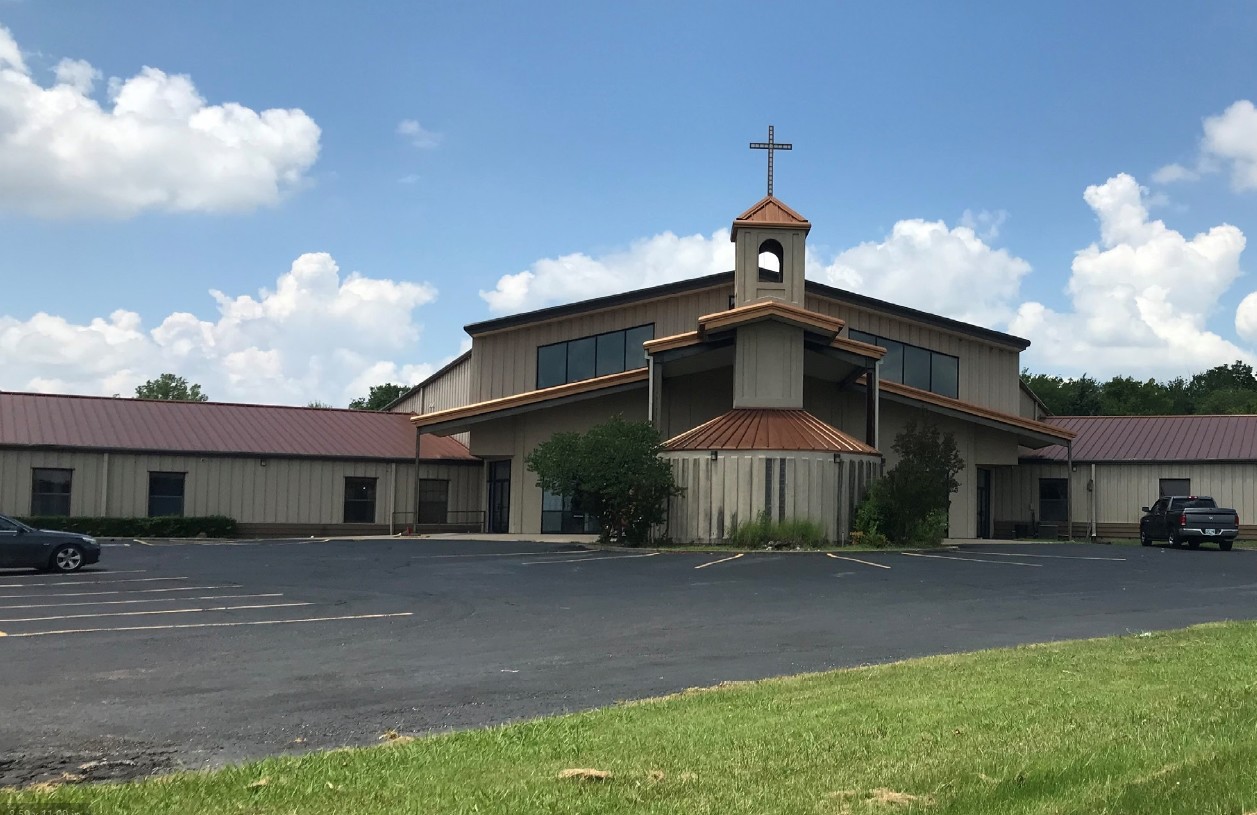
{"points": [[1150, 723]]}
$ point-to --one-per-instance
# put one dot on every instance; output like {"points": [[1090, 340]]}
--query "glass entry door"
{"points": [[499, 491]]}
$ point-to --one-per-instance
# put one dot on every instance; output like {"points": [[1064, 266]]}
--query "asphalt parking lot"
{"points": [[188, 655]]}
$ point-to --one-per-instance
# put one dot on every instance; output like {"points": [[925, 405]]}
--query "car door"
{"points": [[8, 543], [1156, 519]]}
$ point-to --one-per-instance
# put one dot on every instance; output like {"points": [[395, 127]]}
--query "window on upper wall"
{"points": [[50, 491], [1175, 486], [915, 366], [597, 355], [359, 500], [165, 494]]}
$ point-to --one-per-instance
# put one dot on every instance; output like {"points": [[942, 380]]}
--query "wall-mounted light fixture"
{"points": [[713, 455]]}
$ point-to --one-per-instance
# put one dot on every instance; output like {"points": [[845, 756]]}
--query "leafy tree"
{"points": [[909, 504], [315, 403], [379, 397], [172, 388], [613, 472]]}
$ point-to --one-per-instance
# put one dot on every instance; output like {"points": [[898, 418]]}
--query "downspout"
{"points": [[414, 518], [1092, 492], [650, 389], [1069, 490], [392, 494], [104, 487]]}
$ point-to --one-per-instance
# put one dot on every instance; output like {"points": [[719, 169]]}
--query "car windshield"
{"points": [[10, 524]]}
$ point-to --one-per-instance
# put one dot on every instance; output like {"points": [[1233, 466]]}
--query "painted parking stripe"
{"points": [[95, 615], [857, 560], [74, 575], [973, 560], [182, 598], [209, 625], [587, 559], [508, 554], [89, 582], [103, 593], [1054, 557], [722, 560]]}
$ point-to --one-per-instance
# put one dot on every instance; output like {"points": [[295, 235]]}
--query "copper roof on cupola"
{"points": [[767, 429], [771, 211]]}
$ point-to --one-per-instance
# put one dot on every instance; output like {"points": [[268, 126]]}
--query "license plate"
{"points": [[1211, 531]]}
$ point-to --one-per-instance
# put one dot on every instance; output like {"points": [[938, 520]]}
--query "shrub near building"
{"points": [[908, 506]]}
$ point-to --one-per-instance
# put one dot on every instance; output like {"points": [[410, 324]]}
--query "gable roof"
{"points": [[726, 279], [770, 211], [1155, 438], [214, 428], [767, 429]]}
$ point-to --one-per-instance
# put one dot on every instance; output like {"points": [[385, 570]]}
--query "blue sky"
{"points": [[585, 148]]}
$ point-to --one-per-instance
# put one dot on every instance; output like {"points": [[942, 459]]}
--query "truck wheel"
{"points": [[1225, 546], [1144, 539], [1174, 541]]}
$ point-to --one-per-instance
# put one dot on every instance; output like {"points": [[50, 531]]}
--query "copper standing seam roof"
{"points": [[1156, 438], [767, 429], [918, 395], [532, 397], [214, 428], [771, 211]]}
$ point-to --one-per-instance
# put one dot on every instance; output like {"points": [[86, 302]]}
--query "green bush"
{"points": [[764, 531], [909, 504], [213, 526]]}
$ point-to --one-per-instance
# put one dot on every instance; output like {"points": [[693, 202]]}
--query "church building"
{"points": [[776, 394]]}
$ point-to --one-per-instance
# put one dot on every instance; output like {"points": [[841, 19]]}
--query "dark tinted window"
{"points": [[165, 494], [580, 359], [50, 491], [434, 496], [916, 367], [1053, 500], [1200, 503], [551, 365], [610, 353], [359, 500], [597, 355], [944, 375], [634, 354], [892, 363], [1176, 486]]}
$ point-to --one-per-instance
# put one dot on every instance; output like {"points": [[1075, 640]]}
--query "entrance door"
{"points": [[499, 496], [984, 503]]}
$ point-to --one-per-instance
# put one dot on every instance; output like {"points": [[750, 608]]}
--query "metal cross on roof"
{"points": [[770, 146]]}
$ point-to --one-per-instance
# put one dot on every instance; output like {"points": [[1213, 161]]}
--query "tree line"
{"points": [[1224, 389], [174, 388]]}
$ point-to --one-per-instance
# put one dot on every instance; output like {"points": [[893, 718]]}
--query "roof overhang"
{"points": [[455, 420], [1029, 433], [812, 322]]}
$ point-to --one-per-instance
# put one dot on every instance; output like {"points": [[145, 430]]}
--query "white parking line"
{"points": [[507, 554], [89, 582], [103, 593], [973, 560], [1055, 557], [587, 559], [857, 560], [75, 575], [722, 560], [207, 625], [149, 612], [177, 599]]}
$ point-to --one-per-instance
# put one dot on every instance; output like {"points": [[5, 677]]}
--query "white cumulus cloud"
{"points": [[663, 258], [927, 265], [418, 135], [156, 145], [1229, 142], [1142, 296], [317, 334]]}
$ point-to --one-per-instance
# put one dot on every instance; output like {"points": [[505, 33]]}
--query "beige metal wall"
{"points": [[1121, 489], [450, 390], [505, 362], [251, 490], [690, 400], [988, 373], [768, 366], [731, 489], [515, 437]]}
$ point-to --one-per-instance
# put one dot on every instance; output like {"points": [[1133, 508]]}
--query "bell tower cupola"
{"points": [[770, 245]]}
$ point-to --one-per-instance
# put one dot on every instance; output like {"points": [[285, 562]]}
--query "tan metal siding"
{"points": [[1121, 489], [505, 362], [251, 490], [988, 373], [452, 389]]}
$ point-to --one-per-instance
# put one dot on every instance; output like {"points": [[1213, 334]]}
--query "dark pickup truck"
{"points": [[1189, 519]]}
